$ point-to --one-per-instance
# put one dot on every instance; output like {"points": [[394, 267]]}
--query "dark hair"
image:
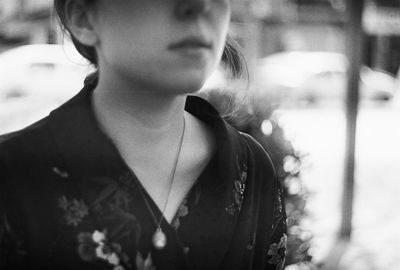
{"points": [[232, 57], [86, 51]]}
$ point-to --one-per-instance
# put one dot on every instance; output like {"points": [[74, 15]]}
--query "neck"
{"points": [[144, 115]]}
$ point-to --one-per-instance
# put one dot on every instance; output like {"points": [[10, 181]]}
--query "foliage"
{"points": [[254, 116]]}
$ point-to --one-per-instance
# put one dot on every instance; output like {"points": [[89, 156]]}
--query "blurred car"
{"points": [[314, 76], [34, 79], [41, 70]]}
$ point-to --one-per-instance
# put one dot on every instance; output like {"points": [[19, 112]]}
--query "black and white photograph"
{"points": [[199, 134]]}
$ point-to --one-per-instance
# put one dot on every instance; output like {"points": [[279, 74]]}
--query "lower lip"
{"points": [[193, 51]]}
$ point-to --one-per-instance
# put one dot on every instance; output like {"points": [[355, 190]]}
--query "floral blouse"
{"points": [[69, 201]]}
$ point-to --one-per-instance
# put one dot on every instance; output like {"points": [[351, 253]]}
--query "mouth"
{"points": [[191, 43]]}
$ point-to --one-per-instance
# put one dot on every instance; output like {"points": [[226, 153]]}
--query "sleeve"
{"points": [[278, 241], [12, 245]]}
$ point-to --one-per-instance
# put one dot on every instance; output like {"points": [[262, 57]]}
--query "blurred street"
{"points": [[319, 132]]}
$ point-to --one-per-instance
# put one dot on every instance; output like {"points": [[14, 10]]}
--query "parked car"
{"points": [[35, 79], [314, 76]]}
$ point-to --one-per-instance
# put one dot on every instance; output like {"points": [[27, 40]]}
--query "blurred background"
{"points": [[321, 95]]}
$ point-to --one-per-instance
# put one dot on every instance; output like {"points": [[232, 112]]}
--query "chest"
{"points": [[168, 188], [167, 175]]}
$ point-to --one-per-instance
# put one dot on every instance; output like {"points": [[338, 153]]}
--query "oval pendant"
{"points": [[159, 239]]}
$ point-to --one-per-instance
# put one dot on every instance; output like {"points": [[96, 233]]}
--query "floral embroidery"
{"points": [[186, 250], [116, 191], [12, 244], [113, 204], [60, 173], [277, 251], [74, 211], [182, 211], [238, 190], [146, 264], [197, 194], [95, 246], [87, 247], [278, 210]]}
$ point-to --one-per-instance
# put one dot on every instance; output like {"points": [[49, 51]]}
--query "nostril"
{"points": [[189, 13], [191, 8]]}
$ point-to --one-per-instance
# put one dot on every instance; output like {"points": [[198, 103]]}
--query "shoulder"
{"points": [[256, 152], [254, 146], [23, 150], [235, 142], [24, 140], [13, 149], [16, 155]]}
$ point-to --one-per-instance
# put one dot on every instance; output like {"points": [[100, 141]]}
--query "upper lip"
{"points": [[191, 42]]}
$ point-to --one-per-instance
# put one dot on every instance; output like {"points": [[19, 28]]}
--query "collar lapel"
{"points": [[106, 184], [210, 225], [95, 169]]}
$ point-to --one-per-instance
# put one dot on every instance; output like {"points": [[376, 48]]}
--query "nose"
{"points": [[189, 9]]}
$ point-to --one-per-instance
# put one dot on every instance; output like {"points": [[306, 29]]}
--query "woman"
{"points": [[133, 172]]}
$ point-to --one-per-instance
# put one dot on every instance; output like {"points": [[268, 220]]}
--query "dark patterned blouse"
{"points": [[68, 201]]}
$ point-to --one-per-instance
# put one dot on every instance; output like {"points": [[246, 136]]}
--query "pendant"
{"points": [[159, 239]]}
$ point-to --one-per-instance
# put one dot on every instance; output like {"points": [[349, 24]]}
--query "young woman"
{"points": [[133, 172]]}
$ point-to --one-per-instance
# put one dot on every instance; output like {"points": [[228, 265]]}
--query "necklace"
{"points": [[159, 238]]}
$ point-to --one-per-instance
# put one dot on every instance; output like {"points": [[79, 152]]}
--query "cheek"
{"points": [[221, 37], [221, 19], [121, 45]]}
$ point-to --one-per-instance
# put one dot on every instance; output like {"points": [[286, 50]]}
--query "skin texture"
{"points": [[135, 39], [144, 78]]}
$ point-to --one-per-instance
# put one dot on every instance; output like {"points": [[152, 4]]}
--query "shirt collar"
{"points": [[88, 152]]}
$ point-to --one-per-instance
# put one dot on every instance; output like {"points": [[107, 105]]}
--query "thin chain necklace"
{"points": [[159, 238]]}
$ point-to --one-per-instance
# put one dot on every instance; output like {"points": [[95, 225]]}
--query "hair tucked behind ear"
{"points": [[86, 51]]}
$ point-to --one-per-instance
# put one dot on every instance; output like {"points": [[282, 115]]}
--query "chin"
{"points": [[187, 83], [187, 87]]}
